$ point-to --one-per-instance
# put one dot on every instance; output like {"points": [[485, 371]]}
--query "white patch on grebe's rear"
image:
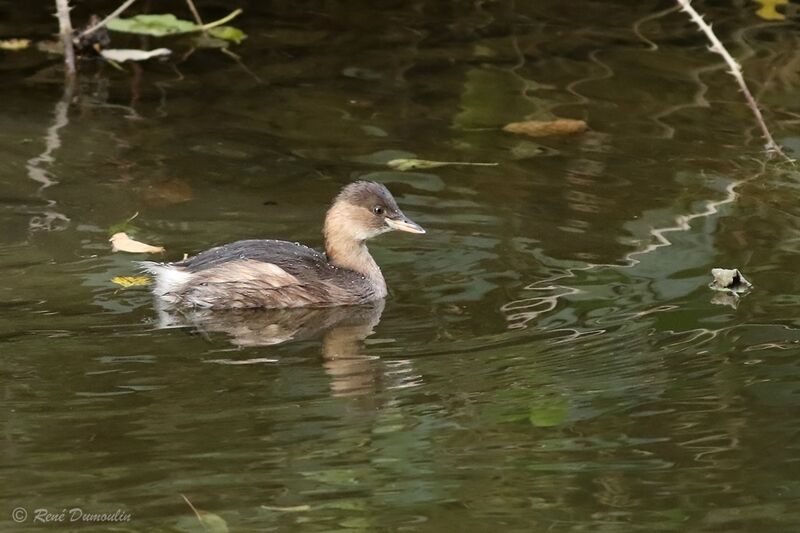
{"points": [[169, 279]]}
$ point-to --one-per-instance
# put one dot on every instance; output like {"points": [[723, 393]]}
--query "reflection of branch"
{"points": [[735, 71], [35, 165], [519, 312], [239, 61], [636, 28]]}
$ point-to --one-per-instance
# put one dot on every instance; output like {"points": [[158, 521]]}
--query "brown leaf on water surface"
{"points": [[120, 242], [544, 128]]}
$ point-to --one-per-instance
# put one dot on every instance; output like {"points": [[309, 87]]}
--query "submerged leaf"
{"points": [[14, 44], [415, 164], [120, 242], [155, 25], [131, 281], [120, 55], [210, 522], [543, 128], [213, 523], [549, 412], [170, 191]]}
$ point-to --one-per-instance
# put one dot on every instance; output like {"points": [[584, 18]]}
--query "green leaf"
{"points": [[293, 509], [126, 226], [228, 33], [414, 164], [155, 25], [168, 24]]}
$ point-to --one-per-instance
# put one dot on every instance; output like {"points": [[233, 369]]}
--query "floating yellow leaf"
{"points": [[131, 281], [14, 44], [120, 242], [543, 128], [414, 164], [769, 11]]}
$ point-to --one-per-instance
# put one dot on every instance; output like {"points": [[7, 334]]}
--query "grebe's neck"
{"points": [[347, 250]]}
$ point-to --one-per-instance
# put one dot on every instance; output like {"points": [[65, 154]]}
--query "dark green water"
{"points": [[550, 357]]}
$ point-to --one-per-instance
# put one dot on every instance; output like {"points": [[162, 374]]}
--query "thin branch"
{"points": [[65, 32], [736, 72], [196, 512], [195, 13], [114, 14]]}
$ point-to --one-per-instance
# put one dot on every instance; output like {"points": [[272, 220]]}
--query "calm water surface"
{"points": [[550, 357]]}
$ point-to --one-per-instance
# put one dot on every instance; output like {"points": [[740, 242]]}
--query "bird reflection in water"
{"points": [[342, 329]]}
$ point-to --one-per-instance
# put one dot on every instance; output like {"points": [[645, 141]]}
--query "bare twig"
{"points": [[195, 13], [65, 32], [114, 14], [736, 72]]}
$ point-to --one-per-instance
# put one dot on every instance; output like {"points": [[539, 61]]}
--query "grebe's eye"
{"points": [[378, 210]]}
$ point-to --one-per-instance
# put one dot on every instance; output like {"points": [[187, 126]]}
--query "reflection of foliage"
{"points": [[490, 99]]}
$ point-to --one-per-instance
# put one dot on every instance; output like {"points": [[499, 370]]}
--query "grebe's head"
{"points": [[365, 209]]}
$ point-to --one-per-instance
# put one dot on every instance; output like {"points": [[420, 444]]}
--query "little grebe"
{"points": [[279, 274]]}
